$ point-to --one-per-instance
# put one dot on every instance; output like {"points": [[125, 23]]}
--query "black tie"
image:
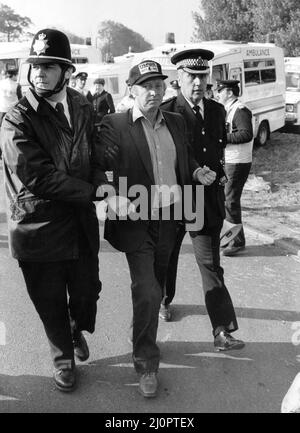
{"points": [[196, 109], [61, 114]]}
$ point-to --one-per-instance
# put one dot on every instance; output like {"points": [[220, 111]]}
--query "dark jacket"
{"points": [[135, 164], [50, 179], [102, 104], [208, 140]]}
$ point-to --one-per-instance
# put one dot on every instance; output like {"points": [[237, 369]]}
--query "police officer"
{"points": [[238, 156], [51, 180], [205, 119], [80, 82], [102, 101]]}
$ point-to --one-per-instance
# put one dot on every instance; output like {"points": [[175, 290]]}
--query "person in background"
{"points": [[51, 182], [102, 101], [127, 102], [209, 94], [72, 81], [238, 157], [205, 120], [10, 92], [80, 80]]}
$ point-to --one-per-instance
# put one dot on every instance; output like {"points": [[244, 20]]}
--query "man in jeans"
{"points": [[238, 157]]}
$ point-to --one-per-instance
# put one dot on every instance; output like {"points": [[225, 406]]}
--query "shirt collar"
{"points": [[200, 104], [229, 104], [137, 114], [53, 103]]}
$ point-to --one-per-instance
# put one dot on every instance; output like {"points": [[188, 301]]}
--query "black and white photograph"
{"points": [[150, 210]]}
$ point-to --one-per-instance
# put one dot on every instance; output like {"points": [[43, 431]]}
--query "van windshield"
{"points": [[292, 81]]}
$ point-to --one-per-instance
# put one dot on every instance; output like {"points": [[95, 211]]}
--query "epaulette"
{"points": [[21, 107]]}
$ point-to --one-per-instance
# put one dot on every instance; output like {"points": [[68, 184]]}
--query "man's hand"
{"points": [[111, 155], [121, 206], [206, 176]]}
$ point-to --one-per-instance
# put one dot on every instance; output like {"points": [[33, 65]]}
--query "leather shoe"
{"points": [[65, 379], [224, 341], [81, 348], [148, 385], [232, 250], [165, 313]]}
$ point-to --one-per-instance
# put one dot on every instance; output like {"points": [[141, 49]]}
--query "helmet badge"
{"points": [[41, 44]]}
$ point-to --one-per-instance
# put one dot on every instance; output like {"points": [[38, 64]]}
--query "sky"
{"points": [[152, 18]]}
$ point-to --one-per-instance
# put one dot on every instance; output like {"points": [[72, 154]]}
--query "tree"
{"points": [[250, 20], [224, 19], [12, 25], [116, 39], [281, 19]]}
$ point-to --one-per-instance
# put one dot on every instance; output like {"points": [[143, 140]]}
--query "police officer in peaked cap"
{"points": [[205, 120], [80, 80], [48, 143]]}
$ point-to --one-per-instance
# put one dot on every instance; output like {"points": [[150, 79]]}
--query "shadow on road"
{"points": [[193, 378], [179, 312]]}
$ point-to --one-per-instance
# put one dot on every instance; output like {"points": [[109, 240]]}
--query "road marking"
{"points": [[2, 334]]}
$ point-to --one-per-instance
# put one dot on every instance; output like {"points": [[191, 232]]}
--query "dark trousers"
{"points": [[217, 298], [61, 291], [237, 175], [148, 266]]}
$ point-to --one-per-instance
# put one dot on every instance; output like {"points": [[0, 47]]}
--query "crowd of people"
{"points": [[59, 143]]}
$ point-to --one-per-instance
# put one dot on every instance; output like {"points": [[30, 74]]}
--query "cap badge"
{"points": [[147, 67], [41, 44]]}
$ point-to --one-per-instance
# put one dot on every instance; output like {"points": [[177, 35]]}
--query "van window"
{"points": [[79, 60], [260, 71], [219, 72], [236, 74], [292, 81]]}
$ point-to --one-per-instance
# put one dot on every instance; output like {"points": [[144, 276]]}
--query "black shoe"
{"points": [[65, 379], [231, 249], [81, 348], [165, 313], [148, 385], [224, 341]]}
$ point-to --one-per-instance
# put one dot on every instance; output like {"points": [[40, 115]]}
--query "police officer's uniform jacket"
{"points": [[208, 140], [50, 179]]}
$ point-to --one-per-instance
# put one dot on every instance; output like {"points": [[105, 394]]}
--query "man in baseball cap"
{"points": [[153, 153]]}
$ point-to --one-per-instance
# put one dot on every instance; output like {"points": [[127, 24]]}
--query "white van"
{"points": [[259, 67], [292, 94]]}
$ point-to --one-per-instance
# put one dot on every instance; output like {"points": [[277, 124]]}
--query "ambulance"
{"points": [[258, 66], [292, 94]]}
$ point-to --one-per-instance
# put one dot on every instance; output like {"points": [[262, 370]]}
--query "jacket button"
{"points": [[204, 149]]}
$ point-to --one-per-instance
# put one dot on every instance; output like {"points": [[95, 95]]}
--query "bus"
{"points": [[258, 66], [292, 94]]}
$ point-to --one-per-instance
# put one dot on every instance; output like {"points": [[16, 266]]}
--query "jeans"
{"points": [[237, 175]]}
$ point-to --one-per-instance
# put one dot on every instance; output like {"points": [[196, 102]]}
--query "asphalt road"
{"points": [[264, 285]]}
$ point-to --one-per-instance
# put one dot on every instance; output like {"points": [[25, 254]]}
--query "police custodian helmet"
{"points": [[51, 46]]}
